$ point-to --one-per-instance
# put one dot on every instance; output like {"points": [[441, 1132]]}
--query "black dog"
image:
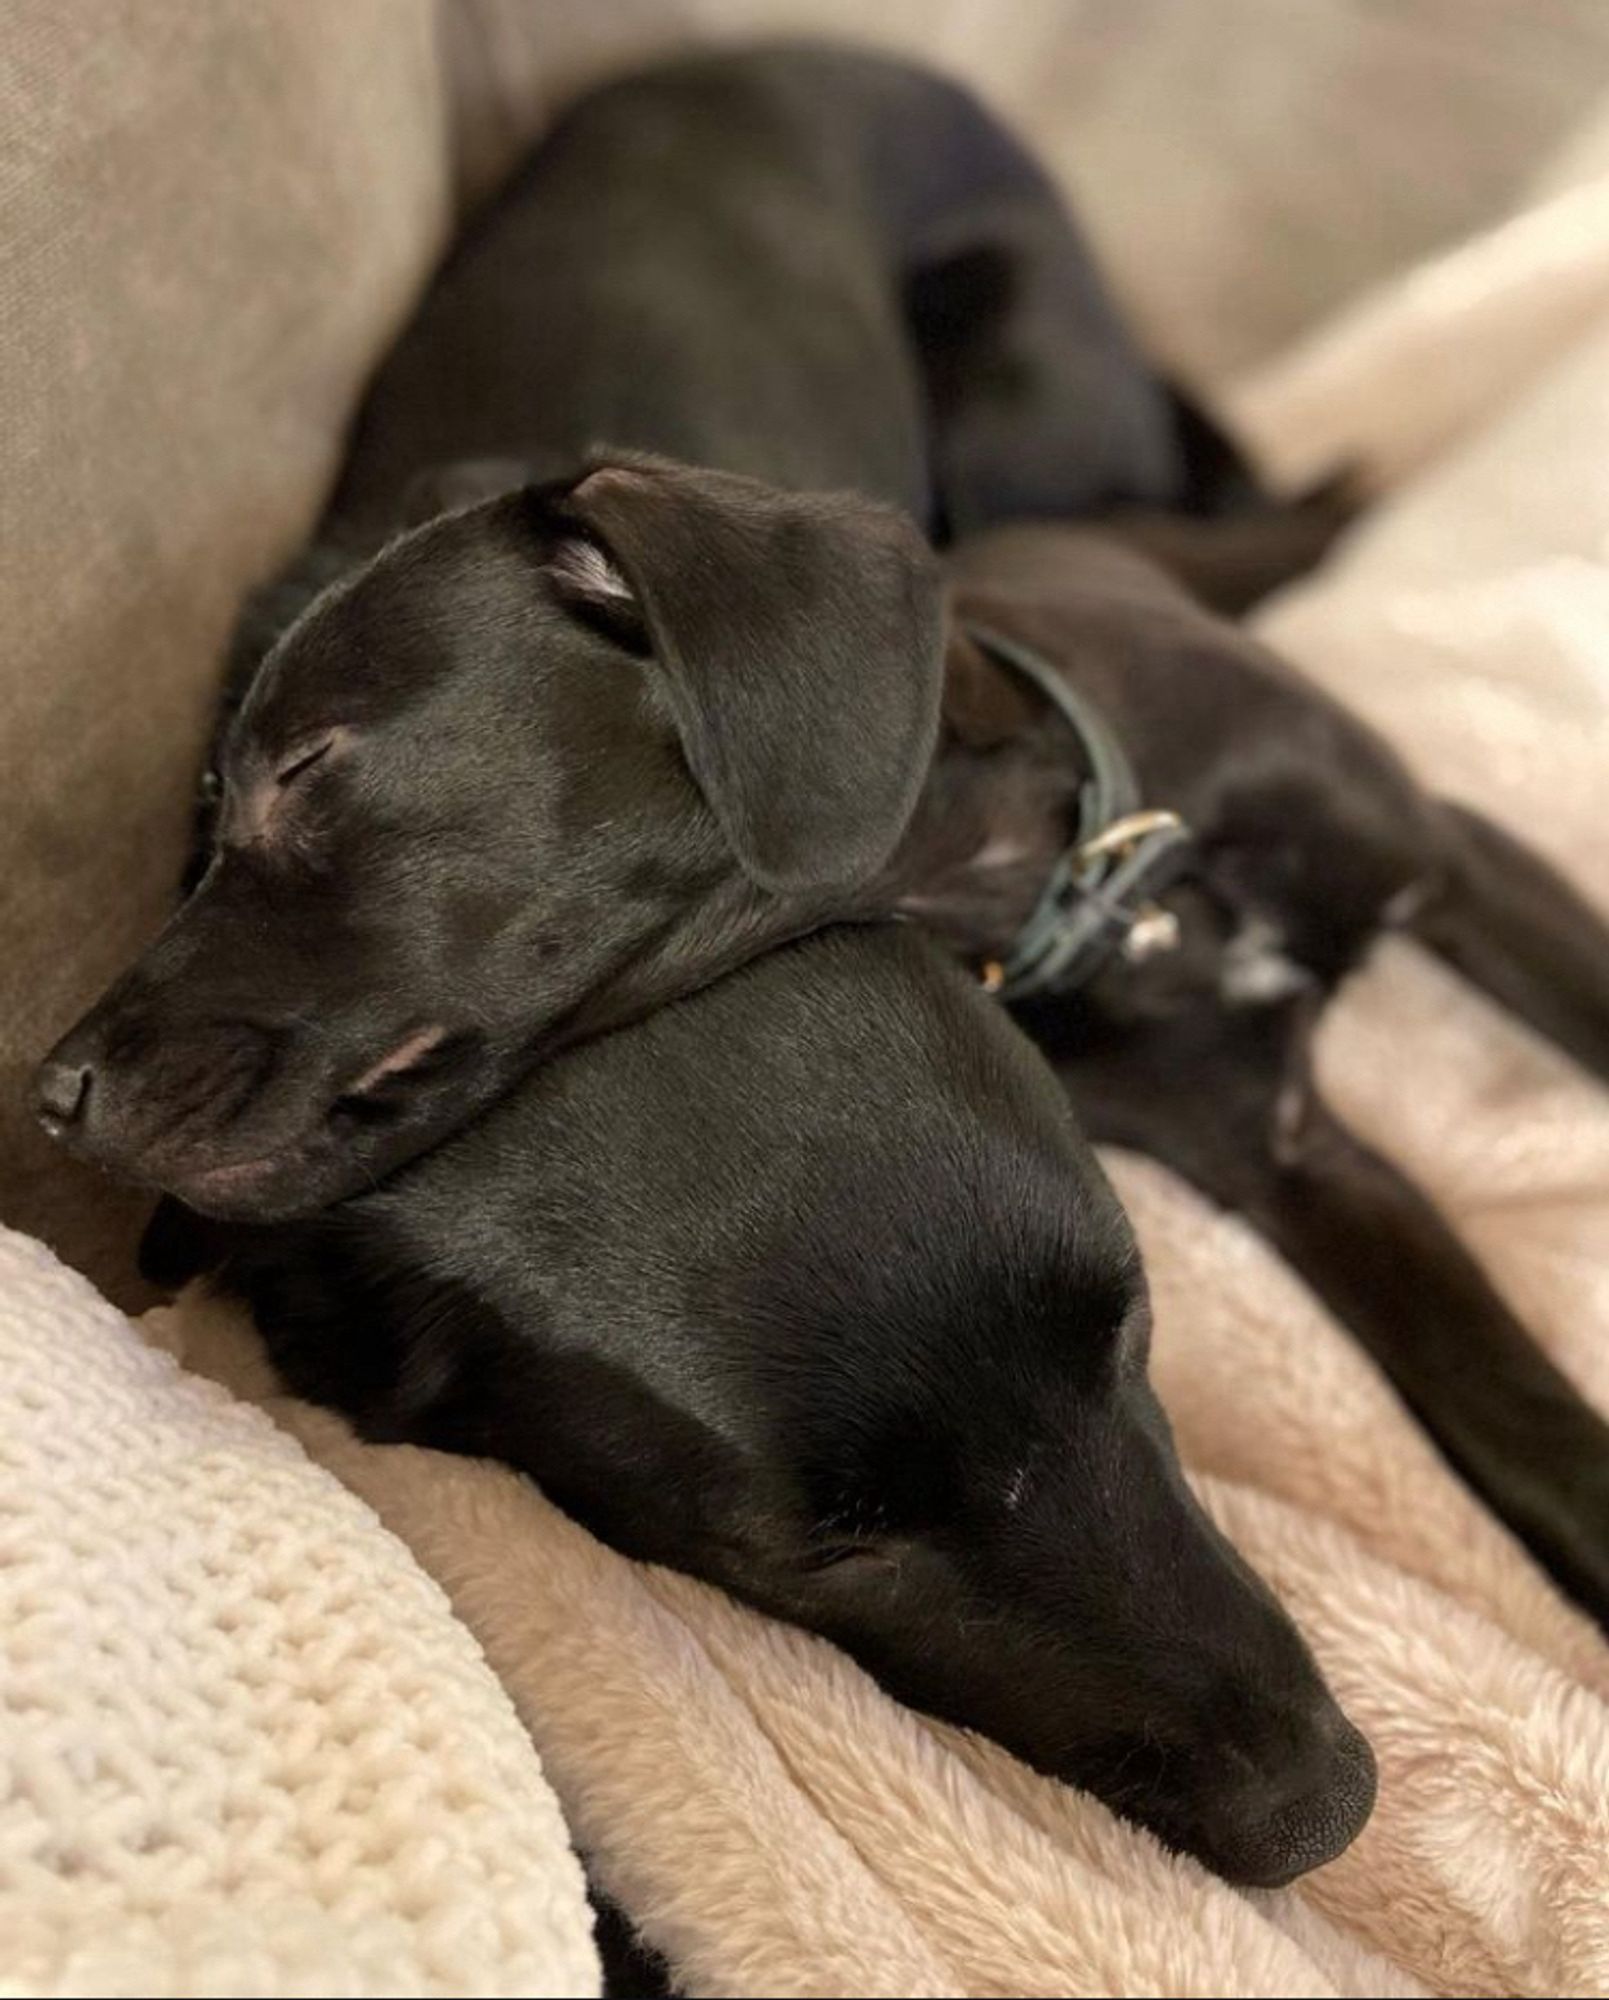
{"points": [[809, 1285], [773, 1276], [825, 267]]}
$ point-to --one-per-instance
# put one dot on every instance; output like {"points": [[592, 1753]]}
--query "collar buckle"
{"points": [[1125, 834]]}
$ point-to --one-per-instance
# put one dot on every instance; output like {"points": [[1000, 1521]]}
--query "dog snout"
{"points": [[134, 1095], [69, 1090], [62, 1090], [1271, 1824]]}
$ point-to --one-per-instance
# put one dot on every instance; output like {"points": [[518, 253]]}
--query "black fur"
{"points": [[713, 260], [713, 257]]}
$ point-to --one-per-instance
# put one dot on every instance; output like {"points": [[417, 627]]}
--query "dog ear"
{"points": [[799, 637]]}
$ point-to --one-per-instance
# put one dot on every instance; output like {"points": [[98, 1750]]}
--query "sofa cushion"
{"points": [[214, 216]]}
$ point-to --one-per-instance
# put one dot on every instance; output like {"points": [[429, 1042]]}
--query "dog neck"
{"points": [[999, 807]]}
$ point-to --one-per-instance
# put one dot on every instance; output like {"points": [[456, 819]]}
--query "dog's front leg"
{"points": [[1384, 1260], [1517, 929], [1236, 1114]]}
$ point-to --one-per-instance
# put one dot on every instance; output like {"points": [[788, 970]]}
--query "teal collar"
{"points": [[1101, 895]]}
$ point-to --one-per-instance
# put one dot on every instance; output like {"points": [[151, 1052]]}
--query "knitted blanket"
{"points": [[244, 1746]]}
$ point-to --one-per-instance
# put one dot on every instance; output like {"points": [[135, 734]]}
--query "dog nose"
{"points": [[1274, 1828], [62, 1091]]}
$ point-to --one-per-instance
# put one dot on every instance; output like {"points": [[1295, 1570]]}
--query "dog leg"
{"points": [[1253, 1136], [1516, 929], [1383, 1259]]}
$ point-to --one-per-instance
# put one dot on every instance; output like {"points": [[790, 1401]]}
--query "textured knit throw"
{"points": [[245, 1747]]}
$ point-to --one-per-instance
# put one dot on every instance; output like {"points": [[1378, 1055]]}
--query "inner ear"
{"points": [[583, 568], [587, 582]]}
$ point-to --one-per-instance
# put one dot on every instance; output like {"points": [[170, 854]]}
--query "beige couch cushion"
{"points": [[1335, 141], [213, 215]]}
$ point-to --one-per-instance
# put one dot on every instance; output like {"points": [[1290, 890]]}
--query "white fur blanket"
{"points": [[245, 1748], [784, 1829]]}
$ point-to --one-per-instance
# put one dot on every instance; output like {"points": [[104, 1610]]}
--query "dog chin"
{"points": [[272, 1187]]}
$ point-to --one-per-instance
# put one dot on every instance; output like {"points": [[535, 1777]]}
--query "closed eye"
{"points": [[304, 759], [847, 1555], [256, 801]]}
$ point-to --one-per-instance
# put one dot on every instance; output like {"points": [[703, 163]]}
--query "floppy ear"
{"points": [[799, 637]]}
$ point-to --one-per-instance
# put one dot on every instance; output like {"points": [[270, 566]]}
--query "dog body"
{"points": [[519, 816], [809, 1285], [819, 267], [783, 1263]]}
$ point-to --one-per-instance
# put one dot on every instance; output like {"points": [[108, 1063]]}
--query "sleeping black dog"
{"points": [[806, 1283], [809, 1285], [470, 823]]}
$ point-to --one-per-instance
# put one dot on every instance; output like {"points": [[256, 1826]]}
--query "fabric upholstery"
{"points": [[214, 216]]}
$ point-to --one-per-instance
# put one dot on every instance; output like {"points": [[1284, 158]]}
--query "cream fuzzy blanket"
{"points": [[784, 1829]]}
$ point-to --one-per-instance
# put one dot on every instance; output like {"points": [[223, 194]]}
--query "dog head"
{"points": [[1063, 1592], [540, 764], [988, 1512]]}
